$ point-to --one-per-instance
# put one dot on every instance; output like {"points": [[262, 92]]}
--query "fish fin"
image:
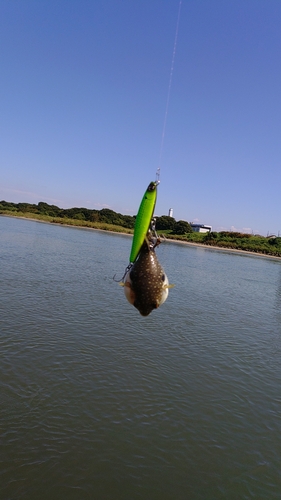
{"points": [[168, 286], [125, 284]]}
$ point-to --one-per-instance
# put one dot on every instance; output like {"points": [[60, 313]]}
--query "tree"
{"points": [[182, 227], [165, 222]]}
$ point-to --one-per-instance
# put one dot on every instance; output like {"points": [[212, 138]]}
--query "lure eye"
{"points": [[152, 186]]}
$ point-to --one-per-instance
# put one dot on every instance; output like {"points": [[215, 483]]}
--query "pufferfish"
{"points": [[146, 284]]}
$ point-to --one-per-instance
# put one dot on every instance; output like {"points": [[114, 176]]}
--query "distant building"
{"points": [[170, 212], [201, 228]]}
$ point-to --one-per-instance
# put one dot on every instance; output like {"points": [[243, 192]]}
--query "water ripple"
{"points": [[99, 402]]}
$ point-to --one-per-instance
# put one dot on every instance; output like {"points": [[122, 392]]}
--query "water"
{"points": [[98, 402]]}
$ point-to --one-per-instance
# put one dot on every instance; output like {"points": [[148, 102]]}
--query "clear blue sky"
{"points": [[84, 86]]}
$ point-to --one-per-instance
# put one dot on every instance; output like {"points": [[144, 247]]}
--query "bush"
{"points": [[165, 222], [182, 227]]}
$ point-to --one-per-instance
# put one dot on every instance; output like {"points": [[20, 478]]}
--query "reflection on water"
{"points": [[99, 402]]}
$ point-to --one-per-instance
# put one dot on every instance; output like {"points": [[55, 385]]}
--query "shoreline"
{"points": [[163, 240], [228, 250]]}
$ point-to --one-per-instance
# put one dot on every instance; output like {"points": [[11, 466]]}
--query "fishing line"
{"points": [[168, 97]]}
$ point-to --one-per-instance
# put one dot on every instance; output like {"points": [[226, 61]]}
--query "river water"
{"points": [[98, 402]]}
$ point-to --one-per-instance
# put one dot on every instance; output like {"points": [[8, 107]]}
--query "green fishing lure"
{"points": [[143, 219]]}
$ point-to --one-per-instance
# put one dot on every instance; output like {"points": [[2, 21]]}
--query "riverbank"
{"points": [[226, 250], [109, 228]]}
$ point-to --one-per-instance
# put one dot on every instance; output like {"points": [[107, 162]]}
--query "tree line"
{"points": [[105, 215], [165, 225]]}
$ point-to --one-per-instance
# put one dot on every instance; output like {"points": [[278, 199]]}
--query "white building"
{"points": [[201, 228], [171, 212]]}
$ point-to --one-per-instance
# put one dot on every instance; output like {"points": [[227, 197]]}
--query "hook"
{"points": [[125, 272]]}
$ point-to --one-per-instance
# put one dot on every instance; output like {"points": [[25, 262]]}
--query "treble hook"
{"points": [[152, 236], [125, 272]]}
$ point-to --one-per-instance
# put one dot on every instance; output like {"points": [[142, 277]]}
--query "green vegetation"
{"points": [[233, 240], [108, 220], [241, 241], [104, 219], [170, 226]]}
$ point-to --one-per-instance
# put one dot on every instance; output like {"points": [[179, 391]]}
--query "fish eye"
{"points": [[163, 277]]}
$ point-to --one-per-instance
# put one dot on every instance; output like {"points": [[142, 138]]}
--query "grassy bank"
{"points": [[234, 241], [225, 240], [68, 222]]}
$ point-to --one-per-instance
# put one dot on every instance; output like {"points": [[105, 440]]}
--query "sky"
{"points": [[84, 87]]}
